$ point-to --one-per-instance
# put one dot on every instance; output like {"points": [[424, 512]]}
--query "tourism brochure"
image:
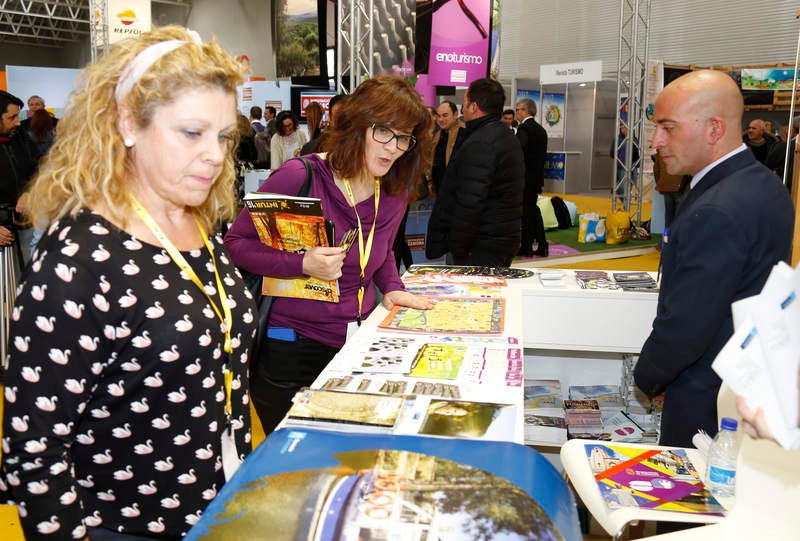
{"points": [[505, 272], [314, 484], [450, 315], [454, 418], [595, 279], [649, 479], [286, 222], [543, 393], [389, 353], [293, 224], [441, 278], [454, 290], [345, 408], [545, 426]]}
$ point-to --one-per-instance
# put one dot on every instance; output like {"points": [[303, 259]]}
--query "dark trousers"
{"points": [[402, 253], [532, 223], [285, 368]]}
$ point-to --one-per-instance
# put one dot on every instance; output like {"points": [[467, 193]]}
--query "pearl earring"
{"points": [[128, 142]]}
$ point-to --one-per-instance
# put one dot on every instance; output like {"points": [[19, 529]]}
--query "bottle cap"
{"points": [[729, 424]]}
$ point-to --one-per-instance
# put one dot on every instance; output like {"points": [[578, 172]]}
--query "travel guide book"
{"points": [[314, 484], [650, 479], [448, 315], [294, 224]]}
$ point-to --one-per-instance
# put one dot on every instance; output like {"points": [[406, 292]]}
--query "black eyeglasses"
{"points": [[384, 135]]}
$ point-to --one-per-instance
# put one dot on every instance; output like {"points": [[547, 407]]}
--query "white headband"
{"points": [[142, 62]]}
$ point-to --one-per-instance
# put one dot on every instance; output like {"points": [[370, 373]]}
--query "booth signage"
{"points": [[577, 72], [554, 165], [323, 98], [460, 36], [127, 18]]}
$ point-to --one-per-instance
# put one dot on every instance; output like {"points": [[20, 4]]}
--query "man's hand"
{"points": [[404, 298], [6, 236], [324, 263]]}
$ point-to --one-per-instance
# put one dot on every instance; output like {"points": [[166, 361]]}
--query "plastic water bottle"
{"points": [[722, 460]]}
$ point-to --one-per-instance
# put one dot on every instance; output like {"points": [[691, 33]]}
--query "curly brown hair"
{"points": [[389, 101]]}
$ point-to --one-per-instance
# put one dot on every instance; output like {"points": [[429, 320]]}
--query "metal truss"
{"points": [[53, 24], [354, 44], [634, 23], [42, 23]]}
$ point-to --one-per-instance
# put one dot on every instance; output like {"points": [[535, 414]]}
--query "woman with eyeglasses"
{"points": [[287, 141], [370, 157]]}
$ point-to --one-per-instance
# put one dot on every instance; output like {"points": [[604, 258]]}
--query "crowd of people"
{"points": [[130, 375]]}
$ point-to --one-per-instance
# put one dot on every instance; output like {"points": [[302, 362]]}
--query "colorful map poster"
{"points": [[650, 479], [462, 316]]}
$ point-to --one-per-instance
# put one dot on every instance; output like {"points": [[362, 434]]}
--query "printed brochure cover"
{"points": [[649, 478], [314, 484], [292, 224], [462, 316]]}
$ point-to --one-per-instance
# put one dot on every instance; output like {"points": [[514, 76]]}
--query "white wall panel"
{"points": [[734, 32]]}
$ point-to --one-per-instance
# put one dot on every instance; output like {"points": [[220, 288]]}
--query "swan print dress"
{"points": [[115, 395]]}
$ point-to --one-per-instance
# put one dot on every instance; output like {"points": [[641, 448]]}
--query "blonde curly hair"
{"points": [[89, 165]]}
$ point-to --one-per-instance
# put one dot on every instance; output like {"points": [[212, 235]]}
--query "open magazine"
{"points": [[319, 485]]}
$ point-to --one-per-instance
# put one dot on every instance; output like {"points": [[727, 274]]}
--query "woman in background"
{"points": [[42, 130], [314, 115], [287, 141], [373, 153], [126, 405]]}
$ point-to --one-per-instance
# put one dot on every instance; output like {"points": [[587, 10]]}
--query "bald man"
{"points": [[734, 225], [756, 139]]}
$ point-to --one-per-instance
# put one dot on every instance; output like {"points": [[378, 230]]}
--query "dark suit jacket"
{"points": [[533, 138], [731, 229]]}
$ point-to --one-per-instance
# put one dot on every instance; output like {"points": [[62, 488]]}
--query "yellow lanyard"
{"points": [[224, 316], [363, 253]]}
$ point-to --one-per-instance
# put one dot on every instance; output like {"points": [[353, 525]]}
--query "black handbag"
{"points": [[253, 282]]}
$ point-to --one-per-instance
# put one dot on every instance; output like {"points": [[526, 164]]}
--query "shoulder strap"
{"points": [[307, 184]]}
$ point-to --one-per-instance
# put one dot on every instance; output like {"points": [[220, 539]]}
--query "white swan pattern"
{"points": [[134, 325]]}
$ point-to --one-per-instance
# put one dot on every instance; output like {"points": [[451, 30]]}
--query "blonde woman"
{"points": [[131, 317]]}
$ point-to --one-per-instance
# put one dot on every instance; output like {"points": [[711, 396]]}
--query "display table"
{"points": [[570, 318], [577, 469], [492, 386]]}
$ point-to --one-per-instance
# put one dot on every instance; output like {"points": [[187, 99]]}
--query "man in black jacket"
{"points": [[533, 139], [18, 159], [477, 216]]}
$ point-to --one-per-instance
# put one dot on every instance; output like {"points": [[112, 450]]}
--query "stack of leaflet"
{"points": [[608, 397], [544, 412], [635, 281], [594, 279], [761, 361], [616, 422], [584, 420], [642, 410]]}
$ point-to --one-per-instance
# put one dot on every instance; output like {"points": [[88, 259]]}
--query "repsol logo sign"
{"points": [[459, 58]]}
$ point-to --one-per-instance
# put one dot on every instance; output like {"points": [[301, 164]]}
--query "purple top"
{"points": [[325, 322]]}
